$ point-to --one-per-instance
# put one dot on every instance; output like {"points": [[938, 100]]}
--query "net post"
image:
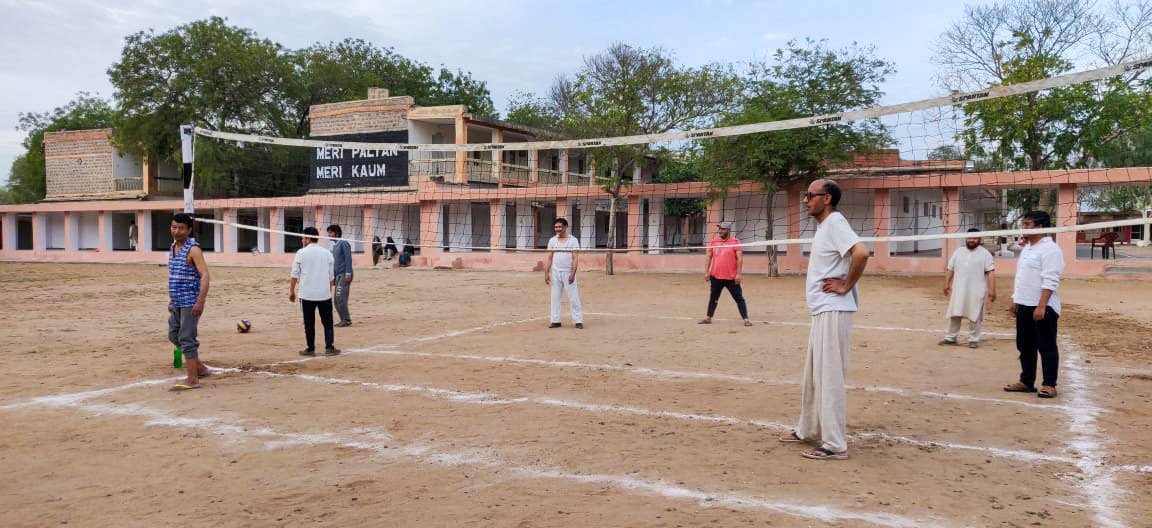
{"points": [[186, 156]]}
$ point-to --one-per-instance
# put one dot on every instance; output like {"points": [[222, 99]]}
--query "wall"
{"points": [[914, 222], [55, 223], [88, 229], [126, 165], [78, 162], [372, 115]]}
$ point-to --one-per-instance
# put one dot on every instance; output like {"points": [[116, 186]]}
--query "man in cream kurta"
{"points": [[969, 281]]}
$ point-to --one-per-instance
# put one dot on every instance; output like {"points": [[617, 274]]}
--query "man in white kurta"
{"points": [[835, 264], [560, 274], [969, 282]]}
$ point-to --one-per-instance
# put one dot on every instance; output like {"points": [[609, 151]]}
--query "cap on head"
{"points": [[725, 225]]}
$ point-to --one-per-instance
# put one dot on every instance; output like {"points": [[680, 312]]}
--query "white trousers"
{"points": [[560, 286], [954, 329], [822, 414]]}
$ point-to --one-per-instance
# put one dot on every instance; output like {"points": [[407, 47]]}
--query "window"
{"points": [[906, 203], [928, 209]]}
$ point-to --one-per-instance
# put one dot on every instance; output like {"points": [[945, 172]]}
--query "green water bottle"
{"points": [[177, 358]]}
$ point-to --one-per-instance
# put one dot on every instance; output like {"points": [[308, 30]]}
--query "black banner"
{"points": [[333, 168]]}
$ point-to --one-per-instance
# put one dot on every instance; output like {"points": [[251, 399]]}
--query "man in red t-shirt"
{"points": [[725, 258]]}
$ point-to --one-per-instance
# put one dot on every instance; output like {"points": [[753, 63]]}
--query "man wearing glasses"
{"points": [[836, 262]]}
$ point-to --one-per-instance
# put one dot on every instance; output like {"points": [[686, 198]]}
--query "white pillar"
{"points": [[71, 231], [218, 232], [262, 236], [655, 224], [1147, 230], [525, 225], [144, 231], [9, 234], [588, 223], [106, 233], [276, 222], [231, 232]]}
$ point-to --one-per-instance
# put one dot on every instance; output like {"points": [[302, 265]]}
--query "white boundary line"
{"points": [[485, 398], [1099, 486], [792, 323], [666, 374], [379, 443]]}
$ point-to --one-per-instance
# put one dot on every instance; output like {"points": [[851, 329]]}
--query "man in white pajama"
{"points": [[560, 274], [835, 265]]}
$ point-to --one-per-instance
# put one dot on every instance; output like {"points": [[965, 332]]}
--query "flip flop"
{"points": [[704, 321], [180, 387], [747, 323], [792, 438], [823, 454]]}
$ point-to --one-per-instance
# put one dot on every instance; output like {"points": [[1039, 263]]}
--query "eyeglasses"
{"points": [[808, 195]]}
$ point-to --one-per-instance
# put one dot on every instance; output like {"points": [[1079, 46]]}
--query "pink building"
{"points": [[452, 201]]}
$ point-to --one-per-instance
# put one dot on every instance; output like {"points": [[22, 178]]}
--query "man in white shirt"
{"points": [[968, 281], [1036, 306], [836, 262], [312, 269], [560, 273]]}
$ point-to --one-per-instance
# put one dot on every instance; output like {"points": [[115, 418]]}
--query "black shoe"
{"points": [[308, 352], [579, 326], [554, 325], [331, 351]]}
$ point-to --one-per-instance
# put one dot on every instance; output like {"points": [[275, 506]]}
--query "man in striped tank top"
{"points": [[187, 290]]}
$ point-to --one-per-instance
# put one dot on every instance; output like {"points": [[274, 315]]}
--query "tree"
{"points": [[26, 181], [946, 152], [214, 76], [803, 79], [532, 111], [343, 71], [628, 90], [1023, 40]]}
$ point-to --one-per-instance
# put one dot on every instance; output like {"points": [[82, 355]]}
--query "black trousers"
{"points": [[1037, 337], [737, 292], [310, 308]]}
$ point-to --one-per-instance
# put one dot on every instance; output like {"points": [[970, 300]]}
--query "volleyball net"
{"points": [[913, 175]]}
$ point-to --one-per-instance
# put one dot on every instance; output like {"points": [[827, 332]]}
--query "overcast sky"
{"points": [[53, 49]]}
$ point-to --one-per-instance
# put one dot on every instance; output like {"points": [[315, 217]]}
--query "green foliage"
{"points": [[682, 169], [531, 111], [343, 71], [26, 181], [221, 77], [804, 79]]}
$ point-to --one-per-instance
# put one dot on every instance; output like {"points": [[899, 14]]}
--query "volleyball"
{"points": [[243, 326]]}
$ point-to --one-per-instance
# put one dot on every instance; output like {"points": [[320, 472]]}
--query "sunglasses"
{"points": [[808, 195]]}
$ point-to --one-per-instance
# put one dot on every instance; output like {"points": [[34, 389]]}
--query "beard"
{"points": [[972, 245]]}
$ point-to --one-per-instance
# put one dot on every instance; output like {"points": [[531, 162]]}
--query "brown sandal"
{"points": [[1047, 391], [792, 438], [1019, 387]]}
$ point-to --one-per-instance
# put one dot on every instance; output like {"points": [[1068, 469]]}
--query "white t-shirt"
{"points": [[830, 259], [313, 266], [1039, 268], [562, 260]]}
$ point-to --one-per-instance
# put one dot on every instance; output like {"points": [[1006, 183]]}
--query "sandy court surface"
{"points": [[455, 406]]}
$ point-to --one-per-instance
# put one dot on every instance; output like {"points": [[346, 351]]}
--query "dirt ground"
{"points": [[454, 405]]}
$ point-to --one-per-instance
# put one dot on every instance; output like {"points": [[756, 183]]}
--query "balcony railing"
{"points": [[129, 184], [166, 186], [483, 171]]}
